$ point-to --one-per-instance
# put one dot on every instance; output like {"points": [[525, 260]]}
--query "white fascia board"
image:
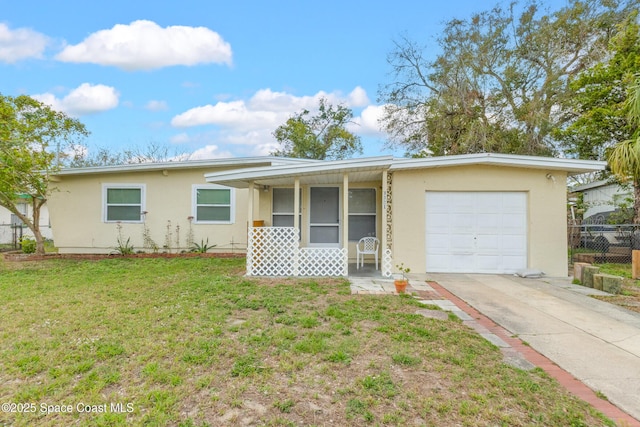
{"points": [[241, 177], [572, 166], [187, 164]]}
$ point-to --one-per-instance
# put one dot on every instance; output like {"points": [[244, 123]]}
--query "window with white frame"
{"points": [[362, 213], [123, 202], [213, 204]]}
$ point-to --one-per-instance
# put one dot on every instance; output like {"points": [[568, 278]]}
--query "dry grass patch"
{"points": [[190, 342]]}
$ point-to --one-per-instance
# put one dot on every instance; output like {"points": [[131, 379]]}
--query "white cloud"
{"points": [[144, 45], [368, 122], [21, 43], [233, 114], [85, 99], [358, 98], [155, 105], [210, 152], [264, 109], [251, 122]]}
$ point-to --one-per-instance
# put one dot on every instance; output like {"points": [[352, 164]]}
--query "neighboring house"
{"points": [[601, 198], [12, 229], [479, 213]]}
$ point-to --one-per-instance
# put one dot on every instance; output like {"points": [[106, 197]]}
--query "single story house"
{"points": [[477, 213]]}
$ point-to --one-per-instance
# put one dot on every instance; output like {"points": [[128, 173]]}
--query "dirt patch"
{"points": [[629, 297]]}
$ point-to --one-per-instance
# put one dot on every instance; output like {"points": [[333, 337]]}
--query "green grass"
{"points": [[623, 270], [191, 342]]}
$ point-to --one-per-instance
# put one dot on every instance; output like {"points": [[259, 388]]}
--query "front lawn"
{"points": [[191, 342]]}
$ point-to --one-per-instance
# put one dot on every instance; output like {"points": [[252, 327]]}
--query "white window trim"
{"points": [[143, 193], [194, 199]]}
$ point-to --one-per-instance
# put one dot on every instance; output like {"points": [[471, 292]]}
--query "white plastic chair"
{"points": [[367, 246]]}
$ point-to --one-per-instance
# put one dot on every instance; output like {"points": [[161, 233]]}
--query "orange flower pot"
{"points": [[401, 285]]}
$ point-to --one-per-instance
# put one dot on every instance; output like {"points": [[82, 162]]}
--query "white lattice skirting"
{"points": [[274, 251], [387, 261]]}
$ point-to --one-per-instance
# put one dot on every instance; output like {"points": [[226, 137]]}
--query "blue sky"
{"points": [[210, 78]]}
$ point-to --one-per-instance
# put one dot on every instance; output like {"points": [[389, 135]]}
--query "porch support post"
{"points": [[345, 222], [250, 248], [383, 230], [296, 204], [296, 225], [345, 211], [250, 205]]}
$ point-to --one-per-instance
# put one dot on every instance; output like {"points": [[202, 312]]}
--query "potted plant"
{"points": [[401, 284]]}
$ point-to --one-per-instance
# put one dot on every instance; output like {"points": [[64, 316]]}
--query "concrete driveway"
{"points": [[597, 342]]}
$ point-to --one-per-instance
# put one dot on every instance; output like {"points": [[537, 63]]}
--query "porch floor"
{"points": [[367, 270]]}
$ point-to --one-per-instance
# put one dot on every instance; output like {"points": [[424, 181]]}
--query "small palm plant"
{"points": [[124, 248], [202, 248]]}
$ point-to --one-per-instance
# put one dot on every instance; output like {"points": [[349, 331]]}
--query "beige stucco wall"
{"points": [[547, 232], [76, 210]]}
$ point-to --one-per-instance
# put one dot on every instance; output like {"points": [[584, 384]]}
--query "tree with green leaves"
{"points": [[323, 136], [28, 132], [500, 81], [624, 157], [597, 111]]}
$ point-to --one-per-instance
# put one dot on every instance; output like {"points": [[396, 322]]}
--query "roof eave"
{"points": [[242, 178], [188, 164], [571, 166]]}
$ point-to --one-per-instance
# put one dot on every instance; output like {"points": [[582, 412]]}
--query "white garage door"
{"points": [[476, 232]]}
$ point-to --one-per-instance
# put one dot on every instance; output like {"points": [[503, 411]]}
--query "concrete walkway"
{"points": [[587, 345], [596, 342]]}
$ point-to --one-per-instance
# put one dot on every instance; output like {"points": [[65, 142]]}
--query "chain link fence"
{"points": [[595, 241], [10, 235]]}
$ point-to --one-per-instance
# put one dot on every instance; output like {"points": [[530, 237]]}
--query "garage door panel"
{"points": [[491, 243], [514, 202], [513, 263], [460, 221], [488, 263], [513, 220], [487, 204], [484, 232], [438, 222], [461, 204], [514, 243], [488, 220], [461, 242]]}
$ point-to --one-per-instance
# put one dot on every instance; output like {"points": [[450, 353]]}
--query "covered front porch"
{"points": [[307, 220]]}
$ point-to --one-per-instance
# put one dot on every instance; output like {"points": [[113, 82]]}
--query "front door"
{"points": [[324, 216]]}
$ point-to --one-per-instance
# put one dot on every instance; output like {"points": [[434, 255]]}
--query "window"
{"points": [[362, 213], [282, 215], [123, 202], [213, 204]]}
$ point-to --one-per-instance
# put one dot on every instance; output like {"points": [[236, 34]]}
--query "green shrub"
{"points": [[28, 245]]}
